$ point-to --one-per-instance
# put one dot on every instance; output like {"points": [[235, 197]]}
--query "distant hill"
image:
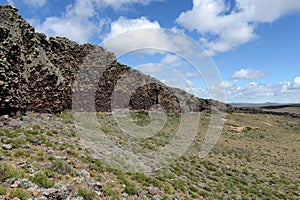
{"points": [[267, 107], [291, 108], [253, 105]]}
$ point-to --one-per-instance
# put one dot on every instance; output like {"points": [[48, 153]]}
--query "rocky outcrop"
{"points": [[38, 74], [35, 73]]}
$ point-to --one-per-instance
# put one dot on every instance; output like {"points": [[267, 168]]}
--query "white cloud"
{"points": [[222, 32], [191, 88], [74, 24], [296, 83], [119, 4], [189, 84], [254, 92], [148, 36], [172, 60], [73, 29], [123, 25], [199, 92], [268, 10], [248, 74], [35, 3], [81, 21], [142, 34]]}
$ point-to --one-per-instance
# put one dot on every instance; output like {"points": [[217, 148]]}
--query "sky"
{"points": [[241, 51]]}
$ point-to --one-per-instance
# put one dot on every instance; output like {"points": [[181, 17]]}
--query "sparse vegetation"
{"points": [[3, 190], [255, 157], [42, 180], [19, 193], [7, 171], [130, 189], [141, 118], [49, 156], [61, 167], [86, 194]]}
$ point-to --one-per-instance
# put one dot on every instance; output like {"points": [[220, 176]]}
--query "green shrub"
{"points": [[7, 171], [42, 180], [106, 129], [142, 178], [32, 132], [167, 189], [11, 134], [141, 118], [49, 144], [165, 198], [130, 189], [3, 190], [42, 138], [50, 173], [17, 143], [108, 191], [61, 167], [19, 193], [49, 134], [20, 153], [73, 133], [179, 185], [86, 194]]}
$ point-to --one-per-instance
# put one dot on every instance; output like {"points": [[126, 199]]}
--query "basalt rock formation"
{"points": [[42, 75]]}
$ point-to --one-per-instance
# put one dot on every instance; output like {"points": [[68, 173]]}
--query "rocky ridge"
{"points": [[38, 74]]}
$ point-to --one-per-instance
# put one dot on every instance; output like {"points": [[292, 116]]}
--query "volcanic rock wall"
{"points": [[39, 74], [36, 74]]}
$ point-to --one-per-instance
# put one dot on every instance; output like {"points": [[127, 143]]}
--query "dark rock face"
{"points": [[38, 74]]}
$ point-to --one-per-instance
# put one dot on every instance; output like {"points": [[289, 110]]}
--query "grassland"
{"points": [[256, 157]]}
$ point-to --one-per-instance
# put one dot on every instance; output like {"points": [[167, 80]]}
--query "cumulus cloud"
{"points": [[142, 34], [248, 74], [123, 25], [75, 23], [77, 30], [189, 84], [138, 34], [172, 60], [296, 83], [81, 21], [119, 4], [254, 92], [223, 28]]}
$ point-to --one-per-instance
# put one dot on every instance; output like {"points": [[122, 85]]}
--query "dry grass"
{"points": [[256, 157]]}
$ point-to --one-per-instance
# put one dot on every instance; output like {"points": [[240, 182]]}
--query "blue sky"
{"points": [[254, 44]]}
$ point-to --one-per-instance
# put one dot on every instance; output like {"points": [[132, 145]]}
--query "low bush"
{"points": [[42, 180]]}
